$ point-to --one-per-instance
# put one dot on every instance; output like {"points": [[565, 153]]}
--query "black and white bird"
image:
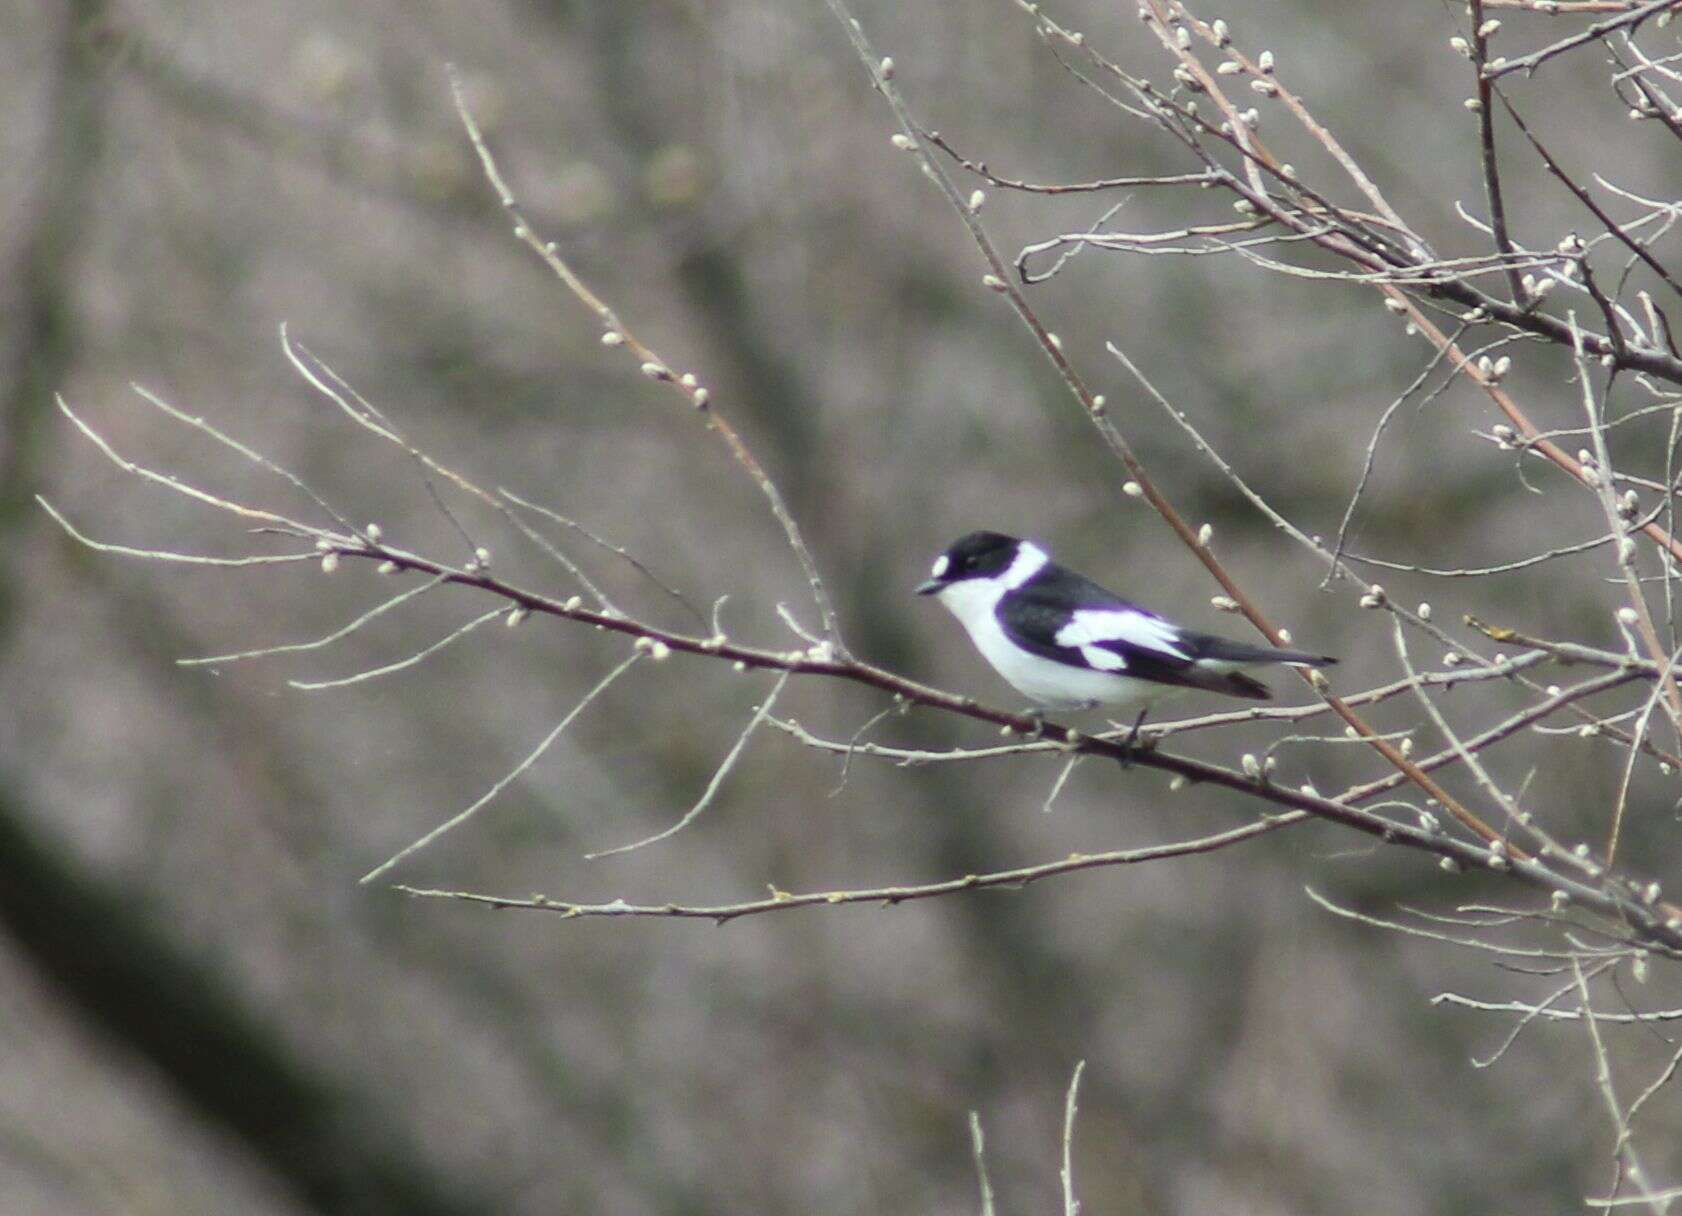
{"points": [[1066, 643]]}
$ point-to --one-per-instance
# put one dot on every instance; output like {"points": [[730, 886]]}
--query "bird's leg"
{"points": [[1038, 716], [1130, 743]]}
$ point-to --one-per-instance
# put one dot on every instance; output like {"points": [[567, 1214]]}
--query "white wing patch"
{"points": [[1089, 627]]}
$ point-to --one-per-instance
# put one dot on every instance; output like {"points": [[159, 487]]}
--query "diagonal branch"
{"points": [[615, 333]]}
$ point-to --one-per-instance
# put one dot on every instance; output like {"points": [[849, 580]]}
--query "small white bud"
{"points": [[1394, 305], [1264, 61], [1543, 287], [977, 199], [1308, 788], [1177, 782], [1638, 968], [574, 603], [1588, 731], [902, 141], [482, 555], [1581, 850], [699, 398], [1502, 366], [329, 563], [1453, 659], [1229, 68], [1664, 767], [1252, 767], [1424, 612], [887, 69], [516, 614], [1223, 35], [1627, 616], [1182, 36], [656, 371], [1265, 87], [1407, 746], [1450, 865], [688, 380], [739, 665], [1472, 104], [1488, 28], [1224, 603], [613, 338], [1497, 861], [1098, 401], [1558, 900], [1205, 534], [1651, 894], [1244, 207], [1285, 636], [1056, 342], [659, 651], [1461, 45], [373, 532], [1132, 489], [323, 545], [1250, 118], [992, 282], [386, 568]]}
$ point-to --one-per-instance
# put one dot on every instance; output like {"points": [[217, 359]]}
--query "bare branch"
{"points": [[536, 754]]}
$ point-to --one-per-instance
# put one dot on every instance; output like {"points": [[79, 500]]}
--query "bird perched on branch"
{"points": [[1066, 643]]}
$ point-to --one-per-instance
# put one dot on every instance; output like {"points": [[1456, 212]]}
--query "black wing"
{"points": [[1077, 622]]}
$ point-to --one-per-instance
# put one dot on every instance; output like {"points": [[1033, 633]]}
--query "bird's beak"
{"points": [[930, 587]]}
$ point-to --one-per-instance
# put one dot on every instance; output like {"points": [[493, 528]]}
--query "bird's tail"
{"points": [[1223, 650]]}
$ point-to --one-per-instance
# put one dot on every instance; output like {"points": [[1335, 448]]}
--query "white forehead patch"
{"points": [[941, 565], [1030, 560]]}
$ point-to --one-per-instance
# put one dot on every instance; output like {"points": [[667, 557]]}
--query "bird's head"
{"points": [[990, 556]]}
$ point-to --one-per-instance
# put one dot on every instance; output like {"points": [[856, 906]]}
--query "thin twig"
{"points": [[760, 713], [653, 366], [532, 758]]}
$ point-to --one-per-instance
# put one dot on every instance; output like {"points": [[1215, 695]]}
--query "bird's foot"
{"points": [[1134, 743]]}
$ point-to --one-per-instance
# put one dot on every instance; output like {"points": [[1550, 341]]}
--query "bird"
{"points": [[1066, 643]]}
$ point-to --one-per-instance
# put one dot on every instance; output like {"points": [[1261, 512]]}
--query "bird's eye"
{"points": [[941, 564]]}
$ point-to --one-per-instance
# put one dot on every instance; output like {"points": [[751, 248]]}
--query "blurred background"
{"points": [[201, 1010]]}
